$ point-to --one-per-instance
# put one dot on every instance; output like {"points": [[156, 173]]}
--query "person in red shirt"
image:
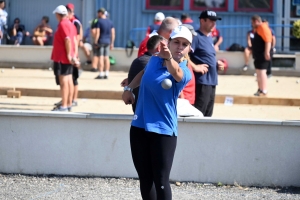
{"points": [[164, 30], [63, 56], [188, 91], [217, 38]]}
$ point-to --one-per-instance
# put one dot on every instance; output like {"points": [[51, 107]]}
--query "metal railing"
{"points": [[285, 42]]}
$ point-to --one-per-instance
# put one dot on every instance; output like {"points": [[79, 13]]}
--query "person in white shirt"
{"points": [[3, 18]]}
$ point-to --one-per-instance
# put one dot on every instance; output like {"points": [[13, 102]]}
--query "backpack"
{"points": [[236, 47]]}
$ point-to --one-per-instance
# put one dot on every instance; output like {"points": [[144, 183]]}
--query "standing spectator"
{"points": [[74, 19], [94, 25], [43, 32], [140, 63], [217, 38], [63, 56], [273, 50], [104, 42], [17, 32], [204, 63], [248, 49], [261, 48], [3, 19], [76, 71], [153, 132], [158, 18], [167, 26]]}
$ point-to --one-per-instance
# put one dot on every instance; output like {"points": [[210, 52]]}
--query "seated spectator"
{"points": [[42, 33], [17, 32], [217, 38], [87, 42], [186, 19], [248, 49]]}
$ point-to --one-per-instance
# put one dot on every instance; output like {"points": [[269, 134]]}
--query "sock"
{"points": [[106, 73], [101, 74], [264, 91]]}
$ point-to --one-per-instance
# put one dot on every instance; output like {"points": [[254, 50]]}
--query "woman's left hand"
{"points": [[164, 51]]}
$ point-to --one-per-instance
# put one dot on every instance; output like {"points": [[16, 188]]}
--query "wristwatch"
{"points": [[126, 88]]}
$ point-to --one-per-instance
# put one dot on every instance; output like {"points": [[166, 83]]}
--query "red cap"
{"points": [[71, 6]]}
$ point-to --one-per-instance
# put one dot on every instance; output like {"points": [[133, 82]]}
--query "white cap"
{"points": [[159, 16], [183, 32], [61, 10]]}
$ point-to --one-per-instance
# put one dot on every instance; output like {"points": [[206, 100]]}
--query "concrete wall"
{"points": [[249, 152], [39, 57]]}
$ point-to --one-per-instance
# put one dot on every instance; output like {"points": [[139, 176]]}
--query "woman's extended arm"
{"points": [[171, 64], [128, 96]]}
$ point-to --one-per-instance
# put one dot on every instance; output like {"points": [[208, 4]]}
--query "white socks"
{"points": [[102, 73]]}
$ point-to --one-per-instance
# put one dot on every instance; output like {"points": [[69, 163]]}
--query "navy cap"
{"points": [[212, 15]]}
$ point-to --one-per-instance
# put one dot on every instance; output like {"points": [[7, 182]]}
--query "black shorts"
{"points": [[60, 69], [101, 50], [75, 75], [261, 64]]}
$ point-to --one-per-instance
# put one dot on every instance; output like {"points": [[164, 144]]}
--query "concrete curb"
{"points": [[117, 95]]}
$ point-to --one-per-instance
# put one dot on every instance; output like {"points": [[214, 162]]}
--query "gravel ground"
{"points": [[13, 186]]}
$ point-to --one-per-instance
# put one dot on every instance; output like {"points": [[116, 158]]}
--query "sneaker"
{"points": [[88, 62], [99, 77], [74, 103], [60, 109], [257, 92], [245, 68], [260, 93], [70, 109], [58, 104], [105, 77], [94, 70]]}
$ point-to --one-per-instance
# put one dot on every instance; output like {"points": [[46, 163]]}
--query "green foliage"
{"points": [[296, 29]]}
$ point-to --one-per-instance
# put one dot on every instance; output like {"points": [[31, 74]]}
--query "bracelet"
{"points": [[168, 59]]}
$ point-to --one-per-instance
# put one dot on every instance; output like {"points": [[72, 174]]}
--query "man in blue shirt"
{"points": [[104, 41], [204, 63]]}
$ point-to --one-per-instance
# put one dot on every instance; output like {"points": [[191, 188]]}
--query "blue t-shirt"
{"points": [[205, 53], [156, 108], [105, 26]]}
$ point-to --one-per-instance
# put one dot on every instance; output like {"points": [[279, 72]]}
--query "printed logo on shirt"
{"points": [[135, 117], [251, 35], [166, 73]]}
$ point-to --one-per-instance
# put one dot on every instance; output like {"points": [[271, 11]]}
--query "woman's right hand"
{"points": [[128, 97]]}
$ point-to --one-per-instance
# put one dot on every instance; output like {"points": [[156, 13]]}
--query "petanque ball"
{"points": [[166, 84]]}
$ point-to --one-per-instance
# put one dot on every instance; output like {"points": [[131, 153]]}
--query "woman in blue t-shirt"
{"points": [[153, 133]]}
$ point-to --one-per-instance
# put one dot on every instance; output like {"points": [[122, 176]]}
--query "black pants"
{"points": [[152, 156], [205, 99]]}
